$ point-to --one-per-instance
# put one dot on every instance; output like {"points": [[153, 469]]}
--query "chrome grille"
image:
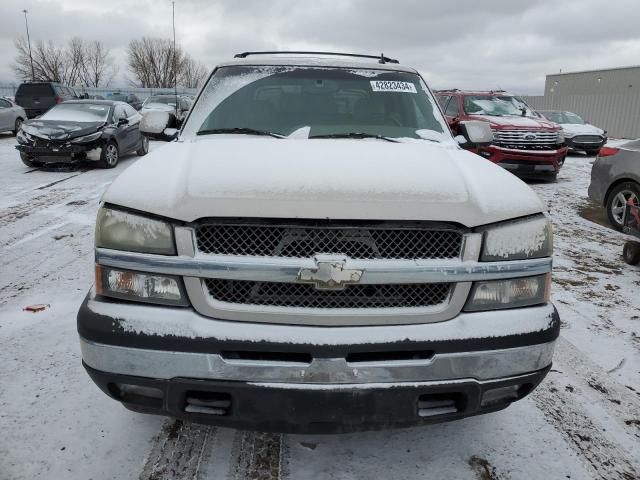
{"points": [[307, 296], [526, 140], [301, 240]]}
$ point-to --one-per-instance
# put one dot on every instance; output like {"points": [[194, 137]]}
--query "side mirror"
{"points": [[159, 126], [123, 121], [476, 134]]}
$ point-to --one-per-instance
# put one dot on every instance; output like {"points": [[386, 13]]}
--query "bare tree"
{"points": [[48, 61], [98, 67], [193, 73], [80, 62], [73, 64], [151, 61]]}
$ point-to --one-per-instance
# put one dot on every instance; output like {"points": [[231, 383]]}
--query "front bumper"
{"points": [[62, 153], [575, 143], [526, 163], [294, 378]]}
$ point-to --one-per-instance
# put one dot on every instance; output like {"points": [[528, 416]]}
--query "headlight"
{"points": [[23, 137], [567, 134], [125, 231], [87, 138], [516, 292], [139, 287], [518, 240]]}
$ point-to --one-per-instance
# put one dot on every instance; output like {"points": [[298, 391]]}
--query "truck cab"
{"points": [[313, 251]]}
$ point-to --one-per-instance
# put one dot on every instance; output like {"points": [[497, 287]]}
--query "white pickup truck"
{"points": [[314, 252]]}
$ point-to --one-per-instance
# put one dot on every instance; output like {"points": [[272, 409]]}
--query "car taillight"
{"points": [[608, 151], [59, 99]]}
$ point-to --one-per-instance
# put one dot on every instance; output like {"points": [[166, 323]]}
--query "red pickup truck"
{"points": [[527, 146]]}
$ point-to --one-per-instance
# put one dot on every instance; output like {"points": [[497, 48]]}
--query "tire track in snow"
{"points": [[603, 450], [259, 456], [177, 452]]}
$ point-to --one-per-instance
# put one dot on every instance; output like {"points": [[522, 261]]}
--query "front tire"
{"points": [[28, 162], [617, 199], [144, 149], [17, 125], [110, 155]]}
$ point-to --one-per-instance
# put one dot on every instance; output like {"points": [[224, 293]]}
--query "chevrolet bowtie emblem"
{"points": [[329, 273]]}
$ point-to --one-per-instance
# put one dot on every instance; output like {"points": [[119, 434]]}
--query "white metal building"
{"points": [[609, 98]]}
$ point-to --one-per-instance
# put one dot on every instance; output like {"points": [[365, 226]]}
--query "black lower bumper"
{"points": [[58, 154], [576, 144], [302, 408]]}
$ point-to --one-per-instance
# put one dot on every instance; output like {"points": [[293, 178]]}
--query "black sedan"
{"points": [[94, 130]]}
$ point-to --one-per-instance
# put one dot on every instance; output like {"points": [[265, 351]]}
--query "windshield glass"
{"points": [[168, 100], [564, 117], [316, 101], [78, 112], [492, 105]]}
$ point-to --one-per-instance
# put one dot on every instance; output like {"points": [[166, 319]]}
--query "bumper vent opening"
{"points": [[358, 357], [287, 357], [137, 394], [505, 395], [432, 405], [208, 403]]}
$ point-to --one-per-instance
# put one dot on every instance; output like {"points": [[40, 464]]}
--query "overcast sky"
{"points": [[463, 44]]}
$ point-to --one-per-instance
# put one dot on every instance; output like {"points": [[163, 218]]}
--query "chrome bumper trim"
{"points": [[286, 269], [480, 365]]}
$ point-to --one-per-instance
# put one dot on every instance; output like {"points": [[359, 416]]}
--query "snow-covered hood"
{"points": [[515, 121], [242, 176], [59, 130], [577, 129]]}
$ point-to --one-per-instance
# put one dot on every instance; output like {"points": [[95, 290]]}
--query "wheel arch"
{"points": [[616, 183]]}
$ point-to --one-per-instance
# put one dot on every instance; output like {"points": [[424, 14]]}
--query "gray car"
{"points": [[11, 116], [615, 179]]}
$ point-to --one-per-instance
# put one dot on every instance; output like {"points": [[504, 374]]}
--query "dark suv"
{"points": [[526, 146], [38, 97]]}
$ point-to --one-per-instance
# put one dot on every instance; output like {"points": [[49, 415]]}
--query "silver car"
{"points": [[11, 116], [615, 179]]}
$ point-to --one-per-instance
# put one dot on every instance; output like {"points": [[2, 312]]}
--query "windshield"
{"points": [[78, 112], [168, 100], [564, 117], [118, 97], [497, 105], [316, 102]]}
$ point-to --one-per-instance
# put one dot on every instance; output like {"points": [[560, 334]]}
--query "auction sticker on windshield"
{"points": [[392, 86]]}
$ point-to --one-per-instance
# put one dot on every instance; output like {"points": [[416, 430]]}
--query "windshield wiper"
{"points": [[239, 130], [355, 135]]}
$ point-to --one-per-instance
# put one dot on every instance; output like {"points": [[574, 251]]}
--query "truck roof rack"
{"points": [[381, 58]]}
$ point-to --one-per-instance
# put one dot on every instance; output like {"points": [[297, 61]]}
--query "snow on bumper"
{"points": [[163, 342]]}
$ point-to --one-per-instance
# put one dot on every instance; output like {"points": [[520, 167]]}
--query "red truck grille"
{"points": [[526, 140]]}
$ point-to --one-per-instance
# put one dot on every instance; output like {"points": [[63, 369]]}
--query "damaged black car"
{"points": [[98, 131]]}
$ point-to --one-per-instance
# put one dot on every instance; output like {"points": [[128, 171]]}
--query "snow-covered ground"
{"points": [[583, 422]]}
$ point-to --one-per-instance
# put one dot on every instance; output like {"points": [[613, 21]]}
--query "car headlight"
{"points": [[23, 137], [518, 240], [87, 138], [512, 293], [567, 134], [139, 287], [120, 230]]}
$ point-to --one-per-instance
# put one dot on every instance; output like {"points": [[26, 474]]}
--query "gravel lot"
{"points": [[583, 422]]}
